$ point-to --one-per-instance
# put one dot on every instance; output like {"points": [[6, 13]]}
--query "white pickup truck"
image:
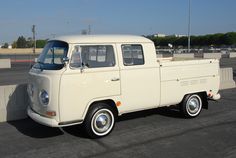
{"points": [[93, 79]]}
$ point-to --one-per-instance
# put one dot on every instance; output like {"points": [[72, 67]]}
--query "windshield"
{"points": [[52, 56]]}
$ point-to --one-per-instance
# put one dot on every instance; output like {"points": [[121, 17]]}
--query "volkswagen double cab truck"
{"points": [[93, 79]]}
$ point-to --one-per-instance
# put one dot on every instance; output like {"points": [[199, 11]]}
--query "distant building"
{"points": [[159, 35], [164, 35], [10, 47], [176, 35]]}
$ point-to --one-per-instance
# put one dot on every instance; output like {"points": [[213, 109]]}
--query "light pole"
{"points": [[189, 25], [34, 39], [89, 29]]}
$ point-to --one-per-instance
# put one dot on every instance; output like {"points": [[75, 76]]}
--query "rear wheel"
{"points": [[191, 105], [100, 120]]}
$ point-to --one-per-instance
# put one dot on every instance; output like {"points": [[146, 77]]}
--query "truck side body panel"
{"points": [[179, 78]]}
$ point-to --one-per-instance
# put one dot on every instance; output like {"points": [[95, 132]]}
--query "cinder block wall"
{"points": [[184, 55], [5, 63], [226, 78], [232, 55], [20, 51], [212, 55], [159, 56]]}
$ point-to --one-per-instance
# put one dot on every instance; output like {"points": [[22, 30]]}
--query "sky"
{"points": [[138, 17]]}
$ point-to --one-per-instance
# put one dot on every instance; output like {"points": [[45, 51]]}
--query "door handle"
{"points": [[115, 79]]}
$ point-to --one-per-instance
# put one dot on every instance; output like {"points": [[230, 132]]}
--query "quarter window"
{"points": [[132, 55]]}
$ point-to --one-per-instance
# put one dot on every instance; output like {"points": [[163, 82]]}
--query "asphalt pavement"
{"points": [[153, 133]]}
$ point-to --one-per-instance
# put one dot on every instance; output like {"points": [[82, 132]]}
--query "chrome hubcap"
{"points": [[194, 105], [102, 122]]}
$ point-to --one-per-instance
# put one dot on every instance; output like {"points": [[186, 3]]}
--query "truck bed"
{"points": [[182, 76], [183, 68]]}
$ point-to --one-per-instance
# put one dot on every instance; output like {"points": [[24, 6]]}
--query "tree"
{"points": [[14, 44], [182, 41], [21, 42], [84, 32], [230, 38], [29, 43], [5, 45], [41, 43], [219, 39]]}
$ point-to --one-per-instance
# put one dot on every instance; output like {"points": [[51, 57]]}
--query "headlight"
{"points": [[43, 97]]}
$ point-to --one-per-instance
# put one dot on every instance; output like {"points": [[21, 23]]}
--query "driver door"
{"points": [[93, 74]]}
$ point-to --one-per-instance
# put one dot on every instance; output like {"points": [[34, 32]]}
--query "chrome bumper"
{"points": [[215, 97], [41, 119]]}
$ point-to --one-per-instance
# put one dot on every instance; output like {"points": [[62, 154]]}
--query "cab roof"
{"points": [[103, 39]]}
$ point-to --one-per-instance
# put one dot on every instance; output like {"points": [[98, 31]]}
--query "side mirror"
{"points": [[65, 60]]}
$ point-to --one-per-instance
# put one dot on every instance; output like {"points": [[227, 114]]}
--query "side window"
{"points": [[94, 56], [132, 55]]}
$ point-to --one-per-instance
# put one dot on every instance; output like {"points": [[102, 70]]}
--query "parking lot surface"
{"points": [[153, 133]]}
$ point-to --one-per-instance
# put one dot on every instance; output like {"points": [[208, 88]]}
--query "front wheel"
{"points": [[191, 105], [99, 121]]}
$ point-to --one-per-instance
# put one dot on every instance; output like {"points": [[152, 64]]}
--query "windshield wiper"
{"points": [[40, 62]]}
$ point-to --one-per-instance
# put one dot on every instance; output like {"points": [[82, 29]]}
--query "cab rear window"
{"points": [[132, 55]]}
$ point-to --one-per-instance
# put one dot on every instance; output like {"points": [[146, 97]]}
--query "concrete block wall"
{"points": [[212, 55], [226, 78], [232, 55], [184, 55], [5, 63], [13, 102], [159, 56], [20, 51]]}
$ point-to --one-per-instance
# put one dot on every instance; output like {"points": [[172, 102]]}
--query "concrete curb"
{"points": [[184, 55], [17, 51], [212, 55], [226, 78], [5, 63], [159, 56], [232, 55], [13, 102]]}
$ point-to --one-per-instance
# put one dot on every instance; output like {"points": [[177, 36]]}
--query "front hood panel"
{"points": [[38, 81]]}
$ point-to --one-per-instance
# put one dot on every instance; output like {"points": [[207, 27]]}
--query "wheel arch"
{"points": [[203, 96], [109, 102]]}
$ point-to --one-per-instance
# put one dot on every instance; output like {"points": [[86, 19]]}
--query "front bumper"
{"points": [[42, 119]]}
